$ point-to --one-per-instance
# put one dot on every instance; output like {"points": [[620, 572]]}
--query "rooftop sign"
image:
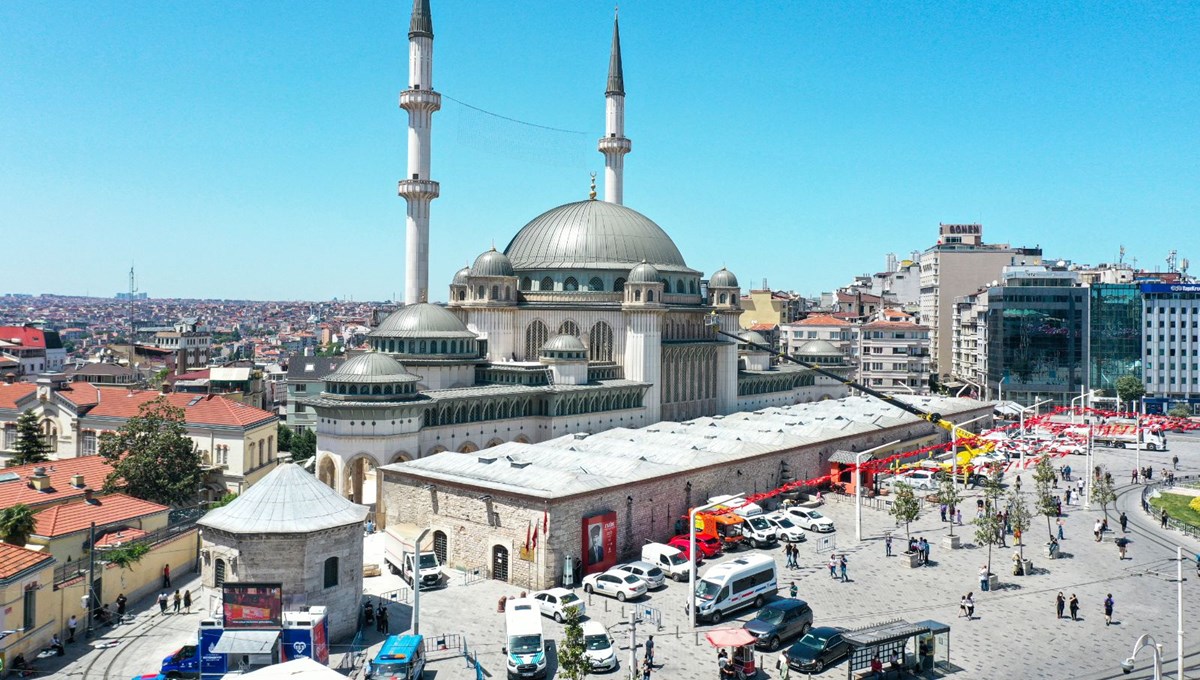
{"points": [[1170, 288]]}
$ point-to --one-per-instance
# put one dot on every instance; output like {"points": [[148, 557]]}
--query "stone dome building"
{"points": [[293, 530]]}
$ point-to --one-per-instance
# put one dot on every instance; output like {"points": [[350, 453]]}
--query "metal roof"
{"points": [[616, 77], [883, 633], [421, 23], [371, 367], [422, 320], [492, 263], [288, 500]]}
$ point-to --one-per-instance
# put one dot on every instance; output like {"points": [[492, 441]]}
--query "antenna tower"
{"points": [[1171, 261], [132, 298]]}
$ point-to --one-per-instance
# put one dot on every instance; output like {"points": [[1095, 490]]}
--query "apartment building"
{"points": [[894, 356], [1171, 320], [840, 333]]}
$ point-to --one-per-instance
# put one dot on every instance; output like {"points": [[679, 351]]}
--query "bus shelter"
{"points": [[902, 647]]}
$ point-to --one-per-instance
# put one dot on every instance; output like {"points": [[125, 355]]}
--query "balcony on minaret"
{"points": [[620, 145], [418, 100], [418, 189]]}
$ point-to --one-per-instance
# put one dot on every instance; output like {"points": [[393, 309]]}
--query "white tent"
{"points": [[303, 668]]}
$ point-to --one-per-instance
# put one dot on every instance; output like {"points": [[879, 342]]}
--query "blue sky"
{"points": [[251, 150]]}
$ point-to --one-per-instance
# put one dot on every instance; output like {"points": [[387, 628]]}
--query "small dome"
{"points": [[564, 343], [492, 263], [644, 273], [723, 279], [817, 348], [754, 337], [369, 367], [460, 277], [422, 320]]}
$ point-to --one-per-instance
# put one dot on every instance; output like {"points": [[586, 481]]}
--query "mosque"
{"points": [[590, 319]]}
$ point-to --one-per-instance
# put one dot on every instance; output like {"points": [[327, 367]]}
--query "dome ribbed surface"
{"points": [[287, 501], [644, 273], [814, 348], [492, 263], [754, 337], [460, 277], [564, 343], [423, 320], [723, 279]]}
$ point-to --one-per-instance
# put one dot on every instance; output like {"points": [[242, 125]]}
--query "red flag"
{"points": [[545, 521], [535, 530], [527, 537]]}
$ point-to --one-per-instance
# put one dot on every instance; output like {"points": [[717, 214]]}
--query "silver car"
{"points": [[652, 575]]}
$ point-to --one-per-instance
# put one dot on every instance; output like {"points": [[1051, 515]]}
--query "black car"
{"points": [[819, 649], [778, 621]]}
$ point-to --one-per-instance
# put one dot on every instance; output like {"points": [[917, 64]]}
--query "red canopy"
{"points": [[729, 637]]}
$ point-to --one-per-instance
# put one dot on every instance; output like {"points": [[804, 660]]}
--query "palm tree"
{"points": [[16, 524]]}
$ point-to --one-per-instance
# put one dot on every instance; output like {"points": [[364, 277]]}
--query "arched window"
{"points": [[679, 285], [219, 573], [723, 298], [536, 335], [495, 292], [637, 296], [569, 327], [570, 284], [526, 283], [692, 286], [479, 293], [547, 284], [443, 347], [595, 284], [422, 349], [508, 292], [600, 342], [331, 572], [649, 296], [618, 285], [439, 546], [666, 286], [462, 295]]}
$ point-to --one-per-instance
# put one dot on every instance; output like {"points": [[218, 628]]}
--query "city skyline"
{"points": [[256, 141]]}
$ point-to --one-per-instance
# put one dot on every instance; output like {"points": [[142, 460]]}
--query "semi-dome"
{"points": [[593, 235], [422, 320], [460, 277], [754, 337], [644, 273], [369, 367], [723, 278], [564, 343], [817, 348], [492, 263]]}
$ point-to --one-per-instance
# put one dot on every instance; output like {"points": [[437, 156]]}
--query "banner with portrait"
{"points": [[599, 542]]}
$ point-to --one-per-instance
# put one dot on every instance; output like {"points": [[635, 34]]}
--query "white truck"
{"points": [[759, 531], [1121, 435], [740, 507], [399, 553], [670, 560]]}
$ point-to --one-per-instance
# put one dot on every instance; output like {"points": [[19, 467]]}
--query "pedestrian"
{"points": [[383, 621], [122, 601], [379, 617], [842, 565], [72, 624], [1074, 607], [793, 590], [1060, 529], [162, 603], [1096, 530], [57, 645], [1121, 543], [1133, 476], [962, 606], [650, 641], [1058, 507], [1164, 519], [177, 600], [795, 557], [646, 670], [983, 578], [1060, 603], [1068, 495], [166, 576], [833, 564], [1124, 521], [924, 552], [1066, 472], [970, 606], [1108, 609], [942, 509], [958, 517], [1174, 462], [187, 601], [887, 545]]}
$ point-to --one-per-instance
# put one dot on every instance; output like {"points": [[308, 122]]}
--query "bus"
{"points": [[402, 657], [734, 585], [525, 649]]}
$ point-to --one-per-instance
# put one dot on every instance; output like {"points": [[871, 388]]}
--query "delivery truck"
{"points": [[399, 552]]}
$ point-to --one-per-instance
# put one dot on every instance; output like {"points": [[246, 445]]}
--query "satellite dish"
{"points": [[1062, 263]]}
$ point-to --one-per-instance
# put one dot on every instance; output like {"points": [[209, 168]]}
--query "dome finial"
{"points": [[592, 193]]}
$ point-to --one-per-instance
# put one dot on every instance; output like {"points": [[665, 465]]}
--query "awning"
{"points": [[246, 642], [730, 637]]}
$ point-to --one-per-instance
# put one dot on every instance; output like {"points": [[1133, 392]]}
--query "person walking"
{"points": [[983, 578], [122, 601], [962, 606], [958, 517], [1164, 519], [887, 545], [970, 606], [842, 566], [162, 603], [793, 590], [1073, 605], [833, 565], [1068, 495], [383, 621], [1060, 603], [166, 574], [1108, 609], [1122, 542], [177, 600], [646, 667], [379, 617], [1133, 476], [1175, 462], [1096, 530], [1060, 529], [187, 601], [1124, 522], [942, 509], [72, 624], [650, 644]]}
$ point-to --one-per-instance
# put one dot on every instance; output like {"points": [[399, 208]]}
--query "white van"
{"points": [[740, 507], [669, 559], [730, 586], [525, 649]]}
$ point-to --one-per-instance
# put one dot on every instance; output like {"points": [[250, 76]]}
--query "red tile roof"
{"points": [[823, 320], [899, 325], [23, 335], [116, 538], [14, 560], [759, 327], [121, 402], [14, 491], [11, 394], [81, 393], [194, 375], [69, 518]]}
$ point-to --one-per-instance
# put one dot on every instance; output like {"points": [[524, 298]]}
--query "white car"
{"points": [[616, 584], [598, 646], [921, 480], [652, 575], [787, 531], [810, 519], [555, 602]]}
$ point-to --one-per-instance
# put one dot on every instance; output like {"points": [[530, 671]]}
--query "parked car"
{"points": [[706, 544], [810, 519], [598, 646], [819, 649], [787, 530], [652, 575], [759, 531], [671, 560], [921, 480], [555, 602], [616, 584], [779, 621]]}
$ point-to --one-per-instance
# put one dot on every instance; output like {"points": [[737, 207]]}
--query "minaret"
{"points": [[417, 188], [614, 145]]}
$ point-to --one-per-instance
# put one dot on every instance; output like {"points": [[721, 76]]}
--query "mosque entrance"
{"points": [[500, 563]]}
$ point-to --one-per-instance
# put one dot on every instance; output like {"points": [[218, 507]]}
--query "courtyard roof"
{"points": [[289, 500]]}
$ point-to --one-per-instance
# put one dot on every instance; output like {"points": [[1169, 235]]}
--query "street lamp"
{"points": [[1127, 664], [416, 582], [692, 554], [1023, 410], [954, 447], [858, 487], [968, 384], [1085, 395]]}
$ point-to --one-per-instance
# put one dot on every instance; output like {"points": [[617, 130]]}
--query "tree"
{"points": [[573, 663], [152, 456], [16, 524], [1102, 491], [905, 508], [1179, 411], [30, 446], [126, 555], [1046, 504], [988, 526], [223, 501], [284, 436], [1130, 388], [1019, 517], [304, 446], [949, 495]]}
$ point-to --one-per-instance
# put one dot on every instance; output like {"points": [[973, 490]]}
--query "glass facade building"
{"points": [[1037, 334], [1114, 334]]}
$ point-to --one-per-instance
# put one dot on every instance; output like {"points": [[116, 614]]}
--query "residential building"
{"points": [[242, 383], [970, 342], [65, 530], [1114, 346], [840, 333], [959, 264], [305, 378], [771, 307], [52, 356], [186, 345], [42, 485], [894, 356], [30, 607], [1171, 318], [103, 373]]}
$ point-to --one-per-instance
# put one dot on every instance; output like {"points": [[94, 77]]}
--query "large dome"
{"points": [[593, 235], [423, 320], [369, 367]]}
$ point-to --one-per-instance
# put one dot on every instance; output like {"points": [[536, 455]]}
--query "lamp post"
{"points": [[1082, 396], [1138, 417], [692, 554], [416, 577], [968, 384], [1179, 608], [858, 486], [1000, 388], [1145, 641], [1023, 410], [954, 448]]}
